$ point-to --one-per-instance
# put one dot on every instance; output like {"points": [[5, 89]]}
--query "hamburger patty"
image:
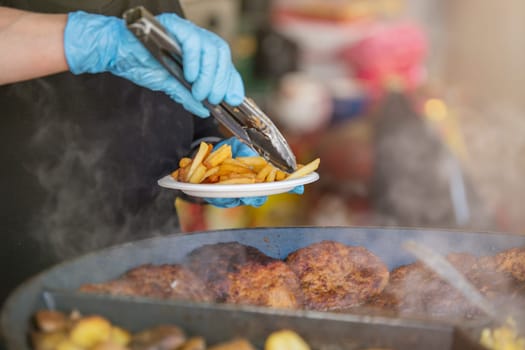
{"points": [[513, 262], [334, 276], [273, 284], [415, 290], [213, 262], [156, 281]]}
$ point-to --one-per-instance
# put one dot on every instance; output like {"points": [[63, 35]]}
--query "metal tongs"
{"points": [[245, 121]]}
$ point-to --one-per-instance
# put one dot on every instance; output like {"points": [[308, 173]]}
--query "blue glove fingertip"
{"points": [[198, 109], [188, 36], [255, 202], [240, 149], [223, 202], [222, 80], [235, 94], [201, 88], [184, 97], [191, 59], [298, 190]]}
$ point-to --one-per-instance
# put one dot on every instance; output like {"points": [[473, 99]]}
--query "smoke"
{"points": [[495, 139], [417, 181], [89, 199]]}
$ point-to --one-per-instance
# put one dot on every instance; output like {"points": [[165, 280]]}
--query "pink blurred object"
{"points": [[394, 52]]}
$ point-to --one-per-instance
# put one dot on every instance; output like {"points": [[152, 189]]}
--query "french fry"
{"points": [[280, 175], [237, 181], [183, 174], [235, 162], [184, 162], [218, 156], [225, 169], [199, 157], [218, 166], [261, 175], [256, 163], [212, 179], [239, 176], [271, 175], [305, 170], [210, 172], [198, 174]]}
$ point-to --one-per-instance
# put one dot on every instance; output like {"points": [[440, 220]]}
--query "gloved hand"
{"points": [[96, 43], [239, 149]]}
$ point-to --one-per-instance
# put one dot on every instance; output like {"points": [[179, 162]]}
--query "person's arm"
{"points": [[32, 45]]}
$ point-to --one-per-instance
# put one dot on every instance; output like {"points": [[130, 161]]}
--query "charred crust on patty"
{"points": [[335, 276], [156, 281], [273, 284], [213, 262]]}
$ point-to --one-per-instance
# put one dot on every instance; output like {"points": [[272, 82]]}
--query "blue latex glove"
{"points": [[239, 149], [96, 43]]}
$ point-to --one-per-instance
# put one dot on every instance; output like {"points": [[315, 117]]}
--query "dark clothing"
{"points": [[80, 159], [106, 7]]}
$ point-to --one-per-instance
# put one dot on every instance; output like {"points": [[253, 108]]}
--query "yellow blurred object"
{"points": [[109, 346], [90, 330], [48, 340], [225, 218], [245, 46], [502, 338], [285, 340], [345, 10], [279, 210], [119, 336], [235, 344], [67, 344], [191, 215], [445, 122], [435, 109]]}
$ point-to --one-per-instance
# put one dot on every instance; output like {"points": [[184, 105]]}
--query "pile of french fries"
{"points": [[219, 167]]}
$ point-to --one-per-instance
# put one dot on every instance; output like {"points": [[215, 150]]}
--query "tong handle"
{"points": [[150, 32], [157, 40], [246, 121]]}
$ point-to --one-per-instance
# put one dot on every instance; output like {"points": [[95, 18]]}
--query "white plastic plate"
{"points": [[236, 191]]}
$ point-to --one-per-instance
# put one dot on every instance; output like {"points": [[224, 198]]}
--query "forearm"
{"points": [[32, 45]]}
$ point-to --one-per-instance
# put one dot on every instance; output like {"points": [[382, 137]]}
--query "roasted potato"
{"points": [[285, 340]]}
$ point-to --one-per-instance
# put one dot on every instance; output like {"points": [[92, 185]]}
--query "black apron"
{"points": [[81, 156]]}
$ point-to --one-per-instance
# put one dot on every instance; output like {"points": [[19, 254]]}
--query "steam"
{"points": [[417, 180], [495, 139], [79, 212]]}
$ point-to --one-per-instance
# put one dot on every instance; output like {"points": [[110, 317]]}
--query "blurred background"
{"points": [[415, 107]]}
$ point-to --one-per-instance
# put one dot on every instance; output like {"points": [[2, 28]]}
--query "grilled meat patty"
{"points": [[325, 276], [335, 276], [213, 262], [513, 262], [272, 284], [415, 290], [156, 281]]}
